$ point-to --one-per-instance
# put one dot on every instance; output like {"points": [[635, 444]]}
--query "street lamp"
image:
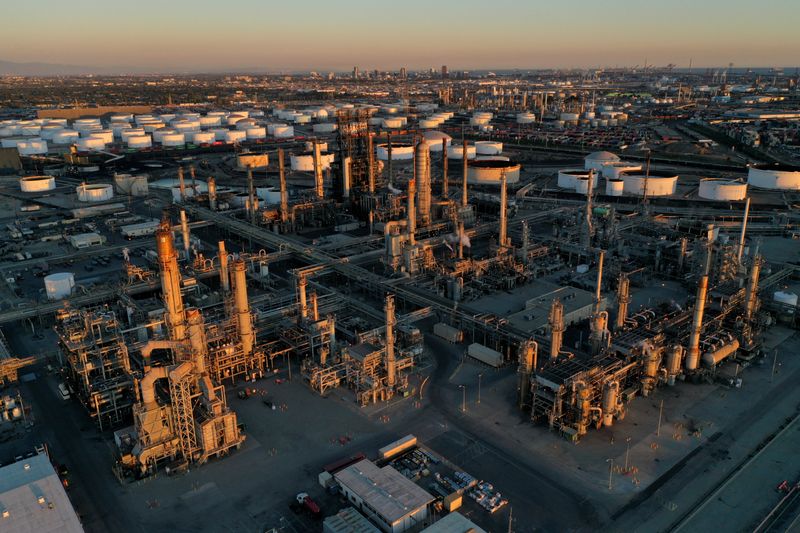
{"points": [[610, 471], [480, 375], [627, 451], [463, 398]]}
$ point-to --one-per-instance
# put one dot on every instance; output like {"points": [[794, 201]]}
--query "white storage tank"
{"points": [[209, 121], [159, 134], [786, 298], [88, 144], [526, 118], [428, 123], [283, 132], [219, 133], [95, 192], [612, 170], [246, 123], [203, 137], [489, 172], [582, 185], [392, 123], [271, 195], [305, 162], [233, 119], [615, 187], [37, 183], [66, 137], [253, 160], [152, 127], [658, 183], [173, 139], [478, 121], [235, 136], [59, 285], [32, 147], [722, 190], [400, 152], [49, 131], [437, 140], [139, 142], [456, 151], [596, 160], [254, 134], [127, 117], [774, 176], [488, 147], [324, 127], [302, 119], [106, 135], [131, 132], [309, 146], [568, 178]]}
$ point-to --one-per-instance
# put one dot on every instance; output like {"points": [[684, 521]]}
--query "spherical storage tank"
{"points": [[400, 152], [488, 172], [774, 176], [658, 183], [722, 189], [37, 183], [96, 192], [139, 141], [488, 147], [324, 127], [596, 160], [457, 151], [59, 285], [568, 178]]}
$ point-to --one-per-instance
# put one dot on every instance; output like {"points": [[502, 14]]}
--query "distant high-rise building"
{"points": [[444, 71], [403, 73], [355, 73]]}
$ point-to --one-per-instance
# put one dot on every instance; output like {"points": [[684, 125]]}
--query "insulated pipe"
{"points": [[175, 314], [464, 171], [412, 213], [302, 283], [244, 321], [318, 182], [623, 300], [284, 193], [148, 383], [390, 360], [502, 238], [148, 348], [197, 339], [314, 307], [212, 193], [223, 267], [185, 233], [557, 328], [422, 171], [740, 250], [693, 351], [181, 184]]}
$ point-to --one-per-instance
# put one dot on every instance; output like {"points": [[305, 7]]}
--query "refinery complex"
{"points": [[426, 301]]}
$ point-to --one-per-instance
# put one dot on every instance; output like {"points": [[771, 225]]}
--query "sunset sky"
{"points": [[184, 35]]}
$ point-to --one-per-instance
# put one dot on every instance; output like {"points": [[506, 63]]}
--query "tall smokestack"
{"points": [[557, 328], [318, 182], [528, 353], [347, 173], [502, 240], [284, 191], [412, 213], [693, 352], [445, 194], [740, 250], [623, 300], [390, 359], [244, 321], [175, 314], [599, 321], [751, 299], [185, 234], [181, 184], [464, 170], [212, 193], [224, 278], [422, 168], [371, 163]]}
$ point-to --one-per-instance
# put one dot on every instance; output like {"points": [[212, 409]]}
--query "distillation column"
{"points": [[175, 314], [599, 321], [212, 193], [557, 328], [412, 213], [284, 192], [391, 379], [244, 321], [693, 351], [740, 249], [252, 206], [318, 182], [224, 276], [751, 299], [302, 284], [586, 236], [623, 300], [422, 169], [185, 234], [444, 171], [528, 354]]}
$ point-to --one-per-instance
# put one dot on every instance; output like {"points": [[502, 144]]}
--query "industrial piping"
{"points": [[185, 233], [243, 319], [422, 169], [623, 300], [556, 320], [390, 359], [693, 351], [318, 182], [175, 314], [224, 276]]}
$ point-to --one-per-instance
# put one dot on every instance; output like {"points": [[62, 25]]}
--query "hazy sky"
{"points": [[191, 35]]}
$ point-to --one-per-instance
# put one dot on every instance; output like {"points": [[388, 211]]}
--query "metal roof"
{"points": [[455, 522]]}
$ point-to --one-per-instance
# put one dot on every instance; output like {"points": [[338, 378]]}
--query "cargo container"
{"points": [[485, 355], [397, 447], [448, 333]]}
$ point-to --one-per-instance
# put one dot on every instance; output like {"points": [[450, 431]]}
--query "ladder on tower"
{"points": [[181, 395]]}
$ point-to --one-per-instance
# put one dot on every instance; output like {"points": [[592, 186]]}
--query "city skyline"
{"points": [[196, 37]]}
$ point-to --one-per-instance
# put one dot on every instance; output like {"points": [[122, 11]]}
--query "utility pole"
{"points": [[480, 375], [610, 471], [463, 398], [660, 412]]}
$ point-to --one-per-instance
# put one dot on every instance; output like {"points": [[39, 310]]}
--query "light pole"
{"points": [[627, 451], [463, 398], [480, 375], [610, 471]]}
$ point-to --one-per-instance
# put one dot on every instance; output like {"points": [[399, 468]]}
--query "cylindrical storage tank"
{"points": [[658, 183], [209, 121], [95, 192], [437, 139], [596, 160], [152, 127], [32, 147], [483, 115], [400, 152], [283, 132], [118, 127], [392, 123], [323, 147], [569, 117], [389, 110], [235, 136], [139, 142], [305, 162], [478, 121], [492, 158], [489, 172], [271, 195], [66, 137], [254, 134], [37, 183], [173, 139], [589, 115], [246, 123], [375, 121], [88, 144], [233, 119], [456, 151], [49, 131], [774, 176], [131, 132], [786, 298], [612, 170], [203, 137], [427, 123], [582, 185], [167, 117], [324, 127], [127, 117], [59, 285], [568, 178], [186, 126], [526, 118], [11, 143], [302, 119], [219, 133], [86, 124], [488, 147], [159, 134], [106, 135], [722, 190], [240, 199], [615, 187]]}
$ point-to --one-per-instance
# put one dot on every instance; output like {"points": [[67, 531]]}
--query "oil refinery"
{"points": [[403, 301]]}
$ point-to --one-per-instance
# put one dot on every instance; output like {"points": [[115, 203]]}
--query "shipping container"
{"points": [[398, 446], [448, 333], [485, 355]]}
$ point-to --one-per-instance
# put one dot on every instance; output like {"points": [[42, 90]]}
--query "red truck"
{"points": [[309, 505]]}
